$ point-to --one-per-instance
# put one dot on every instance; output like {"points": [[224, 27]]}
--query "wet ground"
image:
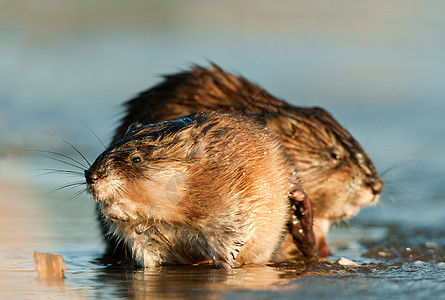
{"points": [[391, 260], [378, 67]]}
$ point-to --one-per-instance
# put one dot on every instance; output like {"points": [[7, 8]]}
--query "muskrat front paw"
{"points": [[300, 223], [220, 264]]}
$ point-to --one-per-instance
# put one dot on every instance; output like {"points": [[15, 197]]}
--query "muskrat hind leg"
{"points": [[300, 222]]}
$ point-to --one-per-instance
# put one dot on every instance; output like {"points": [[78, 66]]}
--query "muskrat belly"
{"points": [[167, 244]]}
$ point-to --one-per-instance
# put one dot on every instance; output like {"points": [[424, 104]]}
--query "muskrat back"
{"points": [[207, 186], [338, 175]]}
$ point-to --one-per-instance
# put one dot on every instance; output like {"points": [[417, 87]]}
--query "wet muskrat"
{"points": [[338, 175], [208, 186]]}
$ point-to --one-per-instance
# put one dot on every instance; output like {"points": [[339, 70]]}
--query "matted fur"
{"points": [[207, 186], [338, 175]]}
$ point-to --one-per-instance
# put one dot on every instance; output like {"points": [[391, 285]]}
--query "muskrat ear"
{"points": [[133, 128]]}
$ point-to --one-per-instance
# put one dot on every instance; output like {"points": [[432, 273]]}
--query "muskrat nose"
{"points": [[91, 178], [377, 186]]}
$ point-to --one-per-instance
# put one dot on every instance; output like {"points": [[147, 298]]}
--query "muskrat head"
{"points": [[136, 179], [338, 175]]}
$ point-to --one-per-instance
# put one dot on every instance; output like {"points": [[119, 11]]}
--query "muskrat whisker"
{"points": [[71, 145], [395, 189], [120, 191], [55, 171], [73, 184], [76, 194], [151, 113], [250, 101], [394, 166], [388, 170], [68, 173], [76, 164], [265, 99], [91, 130], [66, 186]]}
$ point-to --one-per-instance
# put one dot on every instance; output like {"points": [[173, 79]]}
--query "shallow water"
{"points": [[378, 67]]}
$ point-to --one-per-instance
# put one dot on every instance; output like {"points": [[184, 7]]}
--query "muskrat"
{"points": [[208, 186], [338, 176]]}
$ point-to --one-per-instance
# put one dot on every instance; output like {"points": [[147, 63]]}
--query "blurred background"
{"points": [[377, 66]]}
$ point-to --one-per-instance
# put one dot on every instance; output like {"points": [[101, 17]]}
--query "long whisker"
{"points": [[91, 130], [75, 163], [68, 173], [151, 113], [394, 188], [385, 172], [66, 186], [78, 193], [69, 144], [394, 166], [120, 191], [52, 171], [251, 101]]}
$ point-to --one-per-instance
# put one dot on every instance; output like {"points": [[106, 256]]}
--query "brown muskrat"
{"points": [[338, 175], [208, 186]]}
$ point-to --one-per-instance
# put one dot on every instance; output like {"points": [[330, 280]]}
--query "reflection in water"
{"points": [[192, 281], [187, 282], [208, 282], [327, 279]]}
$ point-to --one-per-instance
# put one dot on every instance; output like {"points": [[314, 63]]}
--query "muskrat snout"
{"points": [[90, 178], [376, 186]]}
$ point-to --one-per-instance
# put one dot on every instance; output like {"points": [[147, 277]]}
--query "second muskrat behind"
{"points": [[338, 175]]}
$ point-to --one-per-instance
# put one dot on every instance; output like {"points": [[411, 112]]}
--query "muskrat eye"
{"points": [[336, 156], [136, 159]]}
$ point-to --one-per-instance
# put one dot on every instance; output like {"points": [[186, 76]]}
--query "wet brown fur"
{"points": [[338, 175], [208, 186]]}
